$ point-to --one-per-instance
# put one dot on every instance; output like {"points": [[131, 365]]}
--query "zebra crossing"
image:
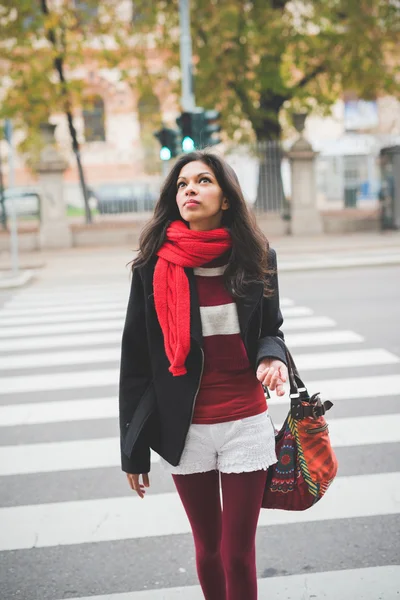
{"points": [[70, 526]]}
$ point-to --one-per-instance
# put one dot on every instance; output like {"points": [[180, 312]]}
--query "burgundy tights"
{"points": [[224, 539]]}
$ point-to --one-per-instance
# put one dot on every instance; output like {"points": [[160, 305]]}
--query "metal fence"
{"points": [[270, 192], [263, 172]]}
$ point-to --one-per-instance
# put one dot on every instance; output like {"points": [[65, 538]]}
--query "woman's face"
{"points": [[200, 200]]}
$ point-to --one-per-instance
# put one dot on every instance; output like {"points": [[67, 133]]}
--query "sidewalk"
{"points": [[294, 254]]}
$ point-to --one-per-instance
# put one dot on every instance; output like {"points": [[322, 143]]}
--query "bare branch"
{"points": [[310, 76]]}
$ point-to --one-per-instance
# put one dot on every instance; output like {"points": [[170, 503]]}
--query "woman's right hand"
{"points": [[135, 484]]}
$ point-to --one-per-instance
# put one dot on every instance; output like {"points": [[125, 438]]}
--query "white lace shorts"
{"points": [[232, 447]]}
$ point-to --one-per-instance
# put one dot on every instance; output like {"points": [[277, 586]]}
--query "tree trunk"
{"points": [[59, 67]]}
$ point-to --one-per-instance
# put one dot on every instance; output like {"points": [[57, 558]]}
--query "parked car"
{"points": [[25, 199], [125, 197]]}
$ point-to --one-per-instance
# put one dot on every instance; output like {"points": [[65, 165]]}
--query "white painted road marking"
{"points": [[101, 520], [61, 341], [105, 452], [78, 297], [35, 311], [322, 338], [373, 583], [34, 413], [345, 358], [346, 387], [308, 323], [64, 317], [54, 359], [12, 332], [305, 362], [294, 340]]}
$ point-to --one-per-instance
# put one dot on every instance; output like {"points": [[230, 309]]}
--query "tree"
{"points": [[42, 46], [260, 60]]}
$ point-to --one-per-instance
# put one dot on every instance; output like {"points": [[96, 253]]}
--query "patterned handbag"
{"points": [[306, 463]]}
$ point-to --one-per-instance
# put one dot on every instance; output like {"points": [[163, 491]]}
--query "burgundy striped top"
{"points": [[229, 388]]}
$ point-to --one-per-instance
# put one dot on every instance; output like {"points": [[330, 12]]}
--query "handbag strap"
{"points": [[301, 405], [297, 386]]}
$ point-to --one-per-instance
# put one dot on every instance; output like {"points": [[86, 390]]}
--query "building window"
{"points": [[93, 118]]}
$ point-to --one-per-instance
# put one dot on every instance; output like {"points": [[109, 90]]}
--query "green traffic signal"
{"points": [[168, 139], [165, 153], [185, 122], [188, 144]]}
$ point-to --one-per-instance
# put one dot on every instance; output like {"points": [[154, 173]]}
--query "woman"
{"points": [[202, 335]]}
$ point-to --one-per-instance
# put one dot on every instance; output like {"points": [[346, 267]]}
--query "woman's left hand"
{"points": [[273, 373]]}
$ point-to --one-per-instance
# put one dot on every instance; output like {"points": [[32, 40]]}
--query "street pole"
{"points": [[13, 209], [165, 168], [2, 198], [187, 100]]}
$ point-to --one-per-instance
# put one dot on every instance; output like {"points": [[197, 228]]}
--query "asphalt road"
{"points": [[69, 525]]}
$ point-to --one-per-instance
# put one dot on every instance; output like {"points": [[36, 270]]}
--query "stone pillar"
{"points": [[54, 230], [305, 217]]}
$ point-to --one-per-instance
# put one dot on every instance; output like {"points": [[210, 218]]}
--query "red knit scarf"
{"points": [[182, 248]]}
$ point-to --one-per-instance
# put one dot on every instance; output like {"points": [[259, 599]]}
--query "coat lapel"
{"points": [[246, 305], [196, 331]]}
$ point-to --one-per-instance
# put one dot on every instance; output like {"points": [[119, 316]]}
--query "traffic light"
{"points": [[197, 128], [211, 126], [186, 124], [168, 139]]}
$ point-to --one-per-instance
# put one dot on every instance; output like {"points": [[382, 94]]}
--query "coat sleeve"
{"points": [[271, 341], [135, 376]]}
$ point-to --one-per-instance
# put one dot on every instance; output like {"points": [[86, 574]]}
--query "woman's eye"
{"points": [[180, 183], [205, 179]]}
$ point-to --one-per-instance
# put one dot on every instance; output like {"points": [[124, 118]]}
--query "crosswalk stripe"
{"points": [[58, 381], [55, 328], [308, 323], [334, 389], [322, 360], [65, 316], [60, 341], [52, 359], [96, 288], [353, 387], [75, 299], [322, 338], [104, 452], [349, 584], [350, 358], [101, 520], [297, 311], [67, 300], [294, 340], [104, 408], [33, 312], [34, 413], [12, 332]]}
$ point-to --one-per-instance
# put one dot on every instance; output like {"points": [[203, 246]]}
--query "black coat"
{"points": [[156, 408]]}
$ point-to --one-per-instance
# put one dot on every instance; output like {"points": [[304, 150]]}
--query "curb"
{"points": [[344, 263], [16, 281]]}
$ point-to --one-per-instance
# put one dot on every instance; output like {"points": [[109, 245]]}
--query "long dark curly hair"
{"points": [[248, 260]]}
